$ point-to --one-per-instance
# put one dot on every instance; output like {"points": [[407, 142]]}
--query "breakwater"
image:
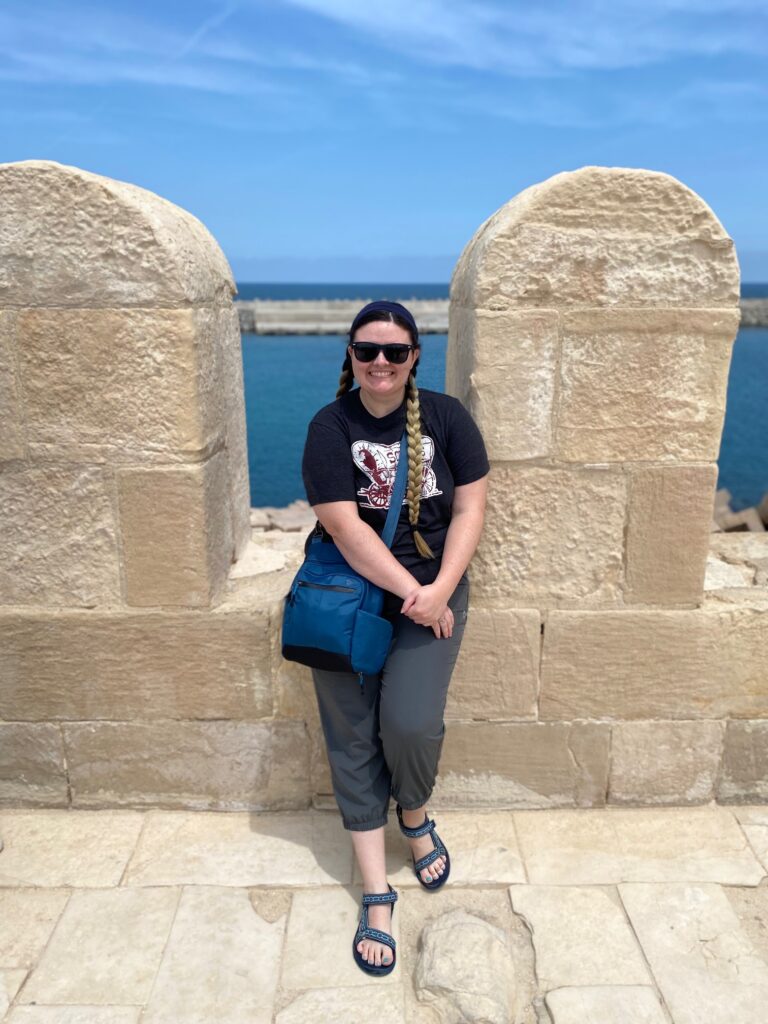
{"points": [[333, 316]]}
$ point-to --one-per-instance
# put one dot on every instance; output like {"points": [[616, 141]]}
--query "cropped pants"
{"points": [[384, 738]]}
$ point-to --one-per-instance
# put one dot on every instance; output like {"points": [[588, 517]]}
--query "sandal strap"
{"points": [[379, 897], [423, 862], [376, 935], [419, 830]]}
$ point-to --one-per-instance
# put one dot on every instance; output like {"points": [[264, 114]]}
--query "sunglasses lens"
{"points": [[366, 352], [396, 353]]}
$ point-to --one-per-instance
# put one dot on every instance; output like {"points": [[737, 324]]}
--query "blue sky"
{"points": [[334, 140]]}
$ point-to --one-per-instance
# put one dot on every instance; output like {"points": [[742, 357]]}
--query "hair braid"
{"points": [[415, 466], [346, 379]]}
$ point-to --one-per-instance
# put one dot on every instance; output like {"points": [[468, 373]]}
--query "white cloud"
{"points": [[542, 39]]}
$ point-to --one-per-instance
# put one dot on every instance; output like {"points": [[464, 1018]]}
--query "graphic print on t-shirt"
{"points": [[379, 463]]}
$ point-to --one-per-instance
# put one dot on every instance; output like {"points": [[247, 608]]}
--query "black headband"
{"points": [[387, 307]]}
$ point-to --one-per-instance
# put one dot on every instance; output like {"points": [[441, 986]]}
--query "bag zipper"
{"points": [[327, 586]]}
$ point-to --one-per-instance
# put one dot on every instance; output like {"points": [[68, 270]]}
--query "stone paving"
{"points": [[589, 916]]}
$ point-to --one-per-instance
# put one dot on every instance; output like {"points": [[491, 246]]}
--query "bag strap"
{"points": [[398, 493]]}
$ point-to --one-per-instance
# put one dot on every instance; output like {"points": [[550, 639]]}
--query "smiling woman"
{"points": [[384, 735]]}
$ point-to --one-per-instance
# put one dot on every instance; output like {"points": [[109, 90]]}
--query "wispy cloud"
{"points": [[538, 39]]}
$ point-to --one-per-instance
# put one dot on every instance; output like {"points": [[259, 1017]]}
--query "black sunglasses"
{"points": [[367, 351]]}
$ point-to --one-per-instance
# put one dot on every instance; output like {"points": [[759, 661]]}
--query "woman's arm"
{"points": [[363, 548]]}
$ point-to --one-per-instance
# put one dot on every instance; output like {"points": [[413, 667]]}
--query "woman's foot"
{"points": [[379, 916], [423, 845]]}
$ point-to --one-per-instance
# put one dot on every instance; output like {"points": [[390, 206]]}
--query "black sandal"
{"points": [[364, 931], [439, 851]]}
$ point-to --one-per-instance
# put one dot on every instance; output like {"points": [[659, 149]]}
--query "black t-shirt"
{"points": [[351, 455]]}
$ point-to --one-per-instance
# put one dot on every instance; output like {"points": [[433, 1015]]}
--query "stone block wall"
{"points": [[590, 333], [591, 325]]}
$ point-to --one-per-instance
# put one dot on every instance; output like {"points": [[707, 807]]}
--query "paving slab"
{"points": [[11, 979], [609, 845], [707, 969], [75, 1015], [240, 848], [221, 962], [106, 948], [60, 847], [632, 1004], [318, 946], [482, 846], [581, 936], [754, 822], [345, 1006], [28, 918]]}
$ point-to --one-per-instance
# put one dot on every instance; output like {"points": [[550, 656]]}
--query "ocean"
{"points": [[288, 378]]}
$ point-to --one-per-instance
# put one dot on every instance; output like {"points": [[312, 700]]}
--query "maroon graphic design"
{"points": [[379, 463]]}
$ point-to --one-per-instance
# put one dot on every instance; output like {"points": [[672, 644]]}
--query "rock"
{"points": [[465, 970]]}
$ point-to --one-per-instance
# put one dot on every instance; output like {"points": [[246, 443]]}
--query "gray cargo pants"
{"points": [[385, 737]]}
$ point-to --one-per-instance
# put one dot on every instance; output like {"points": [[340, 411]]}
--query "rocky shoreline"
{"points": [[333, 316]]}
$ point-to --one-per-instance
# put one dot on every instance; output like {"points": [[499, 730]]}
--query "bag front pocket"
{"points": [[371, 640]]}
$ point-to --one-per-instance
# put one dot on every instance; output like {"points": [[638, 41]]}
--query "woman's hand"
{"points": [[427, 606]]}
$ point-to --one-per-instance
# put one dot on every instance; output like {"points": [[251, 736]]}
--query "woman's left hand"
{"points": [[427, 605]]}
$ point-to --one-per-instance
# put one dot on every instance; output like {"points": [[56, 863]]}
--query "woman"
{"points": [[385, 738]]}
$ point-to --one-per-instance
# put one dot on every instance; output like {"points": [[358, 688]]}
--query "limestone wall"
{"points": [[591, 326]]}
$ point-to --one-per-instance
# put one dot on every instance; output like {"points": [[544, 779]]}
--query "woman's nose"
{"points": [[380, 360]]}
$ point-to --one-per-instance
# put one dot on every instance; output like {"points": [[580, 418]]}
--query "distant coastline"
{"points": [[334, 315]]}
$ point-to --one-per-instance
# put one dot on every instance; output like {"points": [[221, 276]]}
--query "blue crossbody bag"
{"points": [[332, 615]]}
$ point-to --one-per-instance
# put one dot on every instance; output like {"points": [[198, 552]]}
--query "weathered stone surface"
{"points": [[611, 845], [75, 1015], [420, 909], [643, 384], [702, 663], [626, 1004], [176, 533], [664, 762], [337, 1005], [12, 441], [503, 367], [105, 381], [552, 536], [100, 242], [10, 983], [523, 764], [496, 675], [106, 948], [750, 904], [580, 935], [222, 401], [706, 967], [32, 768], [29, 917], [50, 848], [125, 665], [482, 845], [668, 530], [745, 759], [465, 971], [58, 543], [220, 765], [241, 849], [318, 945], [599, 236], [221, 962], [754, 823]]}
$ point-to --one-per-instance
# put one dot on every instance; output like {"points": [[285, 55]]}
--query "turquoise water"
{"points": [[287, 379]]}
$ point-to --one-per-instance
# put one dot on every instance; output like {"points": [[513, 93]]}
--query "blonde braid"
{"points": [[415, 466]]}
